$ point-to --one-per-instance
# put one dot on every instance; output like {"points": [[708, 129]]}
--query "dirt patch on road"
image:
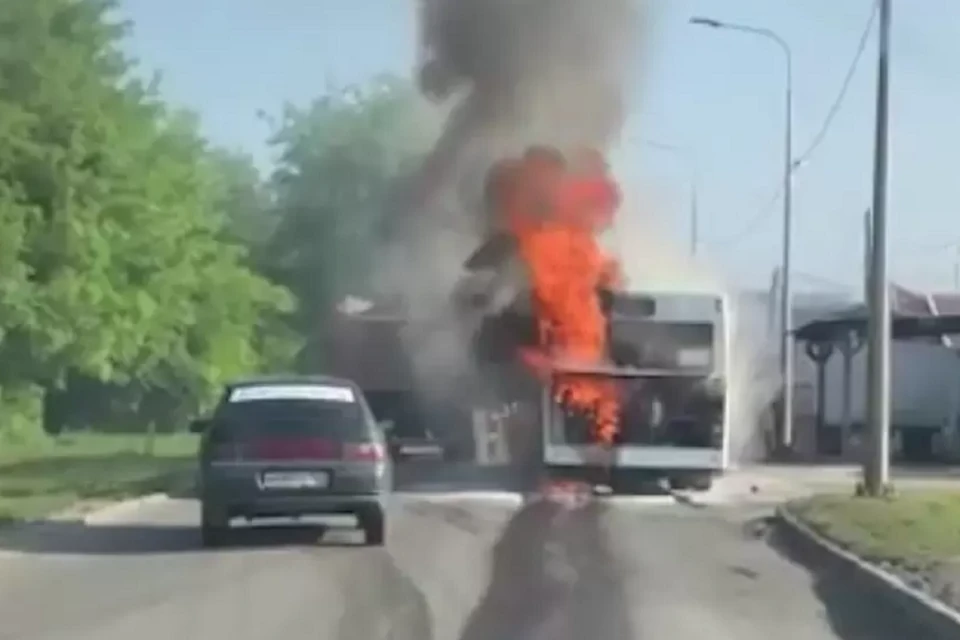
{"points": [[553, 576]]}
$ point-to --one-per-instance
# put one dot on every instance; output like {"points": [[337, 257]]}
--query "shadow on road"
{"points": [[552, 577], [854, 611], [74, 537], [439, 477], [135, 539], [422, 477], [380, 601]]}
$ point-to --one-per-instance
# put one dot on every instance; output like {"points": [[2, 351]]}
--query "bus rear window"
{"points": [[663, 344]]}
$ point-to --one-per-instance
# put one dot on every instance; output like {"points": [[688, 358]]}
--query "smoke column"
{"points": [[510, 73]]}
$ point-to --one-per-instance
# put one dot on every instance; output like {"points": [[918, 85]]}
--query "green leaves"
{"points": [[140, 268], [340, 160], [116, 262]]}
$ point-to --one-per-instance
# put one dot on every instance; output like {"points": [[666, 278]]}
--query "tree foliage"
{"points": [[115, 266], [140, 267], [246, 199], [340, 159]]}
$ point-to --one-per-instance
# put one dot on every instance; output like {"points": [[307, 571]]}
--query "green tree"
{"points": [[246, 199], [340, 161], [116, 266]]}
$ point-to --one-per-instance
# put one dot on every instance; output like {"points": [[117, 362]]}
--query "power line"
{"points": [[754, 223], [927, 247], [932, 250], [822, 280], [838, 103]]}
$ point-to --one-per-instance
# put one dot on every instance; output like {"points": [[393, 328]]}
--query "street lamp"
{"points": [[786, 295], [688, 159]]}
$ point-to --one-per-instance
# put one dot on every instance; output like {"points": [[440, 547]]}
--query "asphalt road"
{"points": [[456, 567]]}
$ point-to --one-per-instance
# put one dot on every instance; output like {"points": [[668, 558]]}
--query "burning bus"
{"points": [[620, 383], [629, 383], [670, 355]]}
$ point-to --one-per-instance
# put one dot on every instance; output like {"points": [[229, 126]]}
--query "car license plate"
{"points": [[294, 480]]}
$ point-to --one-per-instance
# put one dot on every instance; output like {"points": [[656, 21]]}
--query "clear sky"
{"points": [[717, 93]]}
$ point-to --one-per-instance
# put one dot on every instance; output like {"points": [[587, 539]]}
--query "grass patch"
{"points": [[915, 529], [39, 478]]}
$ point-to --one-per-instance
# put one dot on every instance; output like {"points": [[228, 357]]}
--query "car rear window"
{"points": [[274, 411]]}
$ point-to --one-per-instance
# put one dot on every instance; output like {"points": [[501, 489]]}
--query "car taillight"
{"points": [[364, 452], [296, 449]]}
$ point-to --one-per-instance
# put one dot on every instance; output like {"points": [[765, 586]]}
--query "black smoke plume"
{"points": [[507, 74]]}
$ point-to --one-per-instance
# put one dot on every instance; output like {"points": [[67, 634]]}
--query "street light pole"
{"points": [[786, 292], [786, 296], [877, 468]]}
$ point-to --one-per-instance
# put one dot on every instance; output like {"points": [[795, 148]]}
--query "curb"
{"points": [[116, 510], [934, 616], [72, 517], [98, 515]]}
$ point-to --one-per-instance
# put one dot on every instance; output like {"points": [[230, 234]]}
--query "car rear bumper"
{"points": [[234, 490], [295, 506]]}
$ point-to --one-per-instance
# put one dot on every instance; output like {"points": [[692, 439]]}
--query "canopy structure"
{"points": [[855, 320], [913, 317]]}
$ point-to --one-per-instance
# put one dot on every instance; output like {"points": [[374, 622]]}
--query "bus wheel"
{"points": [[692, 482], [633, 483]]}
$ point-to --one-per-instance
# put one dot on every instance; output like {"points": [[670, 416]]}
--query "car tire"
{"points": [[214, 526], [374, 527]]}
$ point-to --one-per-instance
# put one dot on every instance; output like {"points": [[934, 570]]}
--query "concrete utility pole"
{"points": [[786, 292], [877, 468], [867, 233]]}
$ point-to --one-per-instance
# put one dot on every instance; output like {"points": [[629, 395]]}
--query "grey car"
{"points": [[291, 447]]}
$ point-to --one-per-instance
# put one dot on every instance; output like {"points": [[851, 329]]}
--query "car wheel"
{"points": [[374, 527], [214, 526]]}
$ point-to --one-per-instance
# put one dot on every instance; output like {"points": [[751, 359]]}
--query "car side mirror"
{"points": [[385, 425], [200, 425]]}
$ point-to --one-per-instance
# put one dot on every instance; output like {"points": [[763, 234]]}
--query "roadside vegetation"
{"points": [[141, 266], [914, 530], [86, 469]]}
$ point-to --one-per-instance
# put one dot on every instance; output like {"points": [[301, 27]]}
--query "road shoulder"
{"points": [[805, 541], [67, 528], [66, 477]]}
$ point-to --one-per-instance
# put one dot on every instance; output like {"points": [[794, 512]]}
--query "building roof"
{"points": [[903, 327], [913, 315], [946, 302]]}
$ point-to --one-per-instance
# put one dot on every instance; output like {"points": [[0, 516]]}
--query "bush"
{"points": [[21, 411]]}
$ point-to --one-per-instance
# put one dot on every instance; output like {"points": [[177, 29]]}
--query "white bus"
{"points": [[671, 359]]}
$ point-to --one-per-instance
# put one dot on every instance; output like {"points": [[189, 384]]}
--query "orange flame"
{"points": [[554, 210]]}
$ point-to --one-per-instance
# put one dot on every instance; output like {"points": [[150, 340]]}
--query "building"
{"points": [[925, 379]]}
